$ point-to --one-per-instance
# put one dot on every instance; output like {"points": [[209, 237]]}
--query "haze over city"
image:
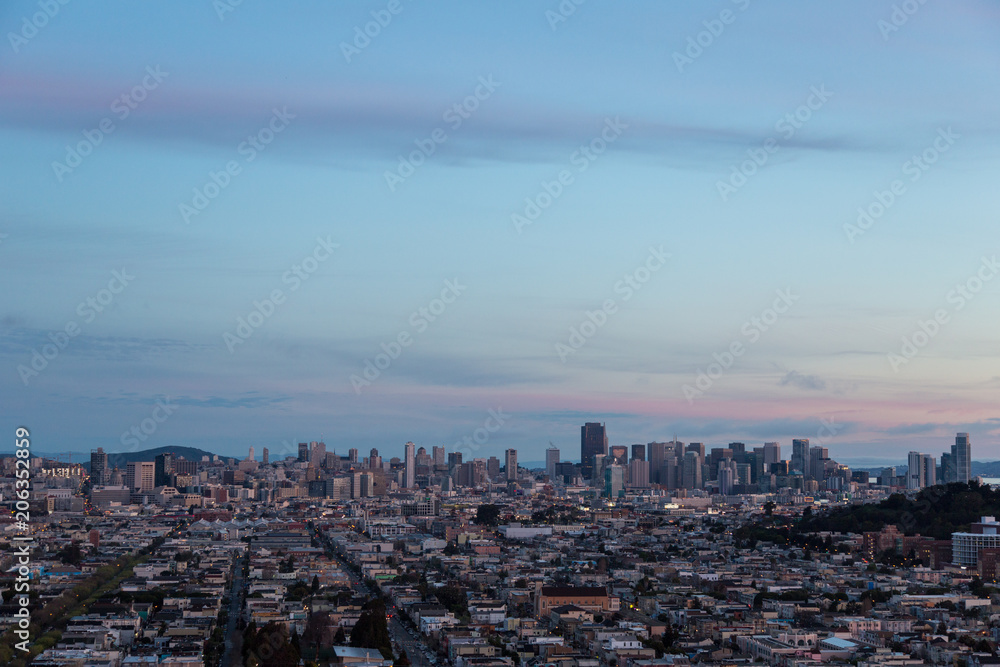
{"points": [[261, 225]]}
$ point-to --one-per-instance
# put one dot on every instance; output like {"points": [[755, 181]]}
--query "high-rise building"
{"points": [[163, 468], [510, 461], [917, 469], [551, 461], [140, 476], [638, 474], [691, 477], [317, 453], [438, 455], [614, 480], [374, 460], [493, 468], [265, 456], [410, 475], [593, 441], [250, 455], [961, 454], [619, 453], [98, 467], [454, 460], [800, 456], [303, 452], [352, 454], [638, 453], [772, 452], [947, 472], [818, 456]]}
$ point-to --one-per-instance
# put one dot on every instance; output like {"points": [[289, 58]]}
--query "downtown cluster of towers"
{"points": [[734, 468]]}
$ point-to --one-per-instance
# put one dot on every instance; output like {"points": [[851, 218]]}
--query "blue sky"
{"points": [[868, 97]]}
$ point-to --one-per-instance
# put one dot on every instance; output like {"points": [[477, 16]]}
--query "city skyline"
{"points": [[742, 230]]}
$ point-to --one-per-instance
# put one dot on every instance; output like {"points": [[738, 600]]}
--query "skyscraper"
{"points": [[510, 460], [303, 452], [800, 456], [98, 467], [620, 454], [961, 455], [614, 480], [410, 476], [140, 476], [352, 454], [593, 441], [772, 452], [551, 461], [317, 453], [638, 474], [163, 468], [250, 455], [438, 455], [638, 453], [265, 456], [493, 468]]}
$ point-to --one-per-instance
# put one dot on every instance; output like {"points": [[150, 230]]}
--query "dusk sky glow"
{"points": [[806, 200]]}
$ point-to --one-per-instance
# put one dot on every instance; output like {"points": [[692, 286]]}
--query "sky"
{"points": [[246, 224]]}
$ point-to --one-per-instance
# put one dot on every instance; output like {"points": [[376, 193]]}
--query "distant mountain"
{"points": [[121, 459], [986, 468]]}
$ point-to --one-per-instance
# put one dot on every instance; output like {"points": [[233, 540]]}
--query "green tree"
{"points": [[371, 630], [487, 515]]}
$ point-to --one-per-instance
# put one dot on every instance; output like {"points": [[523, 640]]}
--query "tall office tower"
{"points": [[800, 456], [691, 470], [888, 476], [614, 480], [265, 456], [163, 467], [698, 448], [914, 471], [374, 460], [638, 474], [493, 468], [717, 456], [728, 477], [600, 462], [551, 461], [817, 460], [410, 463], [739, 451], [140, 476], [98, 467], [438, 454], [656, 454], [670, 474], [947, 472], [317, 453], [929, 470], [303, 452], [593, 441], [620, 454], [454, 460], [510, 461], [772, 452], [638, 453], [250, 454], [961, 455], [352, 455]]}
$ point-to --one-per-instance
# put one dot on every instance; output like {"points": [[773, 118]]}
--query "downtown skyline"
{"points": [[781, 232]]}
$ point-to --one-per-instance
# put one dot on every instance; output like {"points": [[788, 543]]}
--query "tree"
{"points": [[487, 515], [340, 638], [315, 584], [371, 630]]}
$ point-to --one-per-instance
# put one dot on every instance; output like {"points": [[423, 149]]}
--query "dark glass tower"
{"points": [[593, 441]]}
